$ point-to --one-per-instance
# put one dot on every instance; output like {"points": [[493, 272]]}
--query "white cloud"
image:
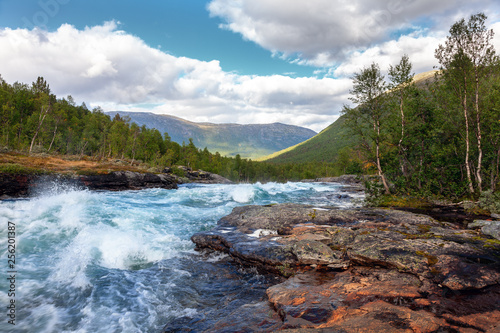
{"points": [[326, 32], [420, 50], [104, 66]]}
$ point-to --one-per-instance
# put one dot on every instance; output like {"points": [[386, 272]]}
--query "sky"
{"points": [[222, 61]]}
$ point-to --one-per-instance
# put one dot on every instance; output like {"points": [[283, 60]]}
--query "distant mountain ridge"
{"points": [[250, 141]]}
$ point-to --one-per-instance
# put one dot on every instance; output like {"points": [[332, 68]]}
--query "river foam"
{"points": [[123, 261]]}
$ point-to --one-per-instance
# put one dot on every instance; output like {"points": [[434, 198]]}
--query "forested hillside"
{"points": [[436, 137], [36, 121], [429, 135]]}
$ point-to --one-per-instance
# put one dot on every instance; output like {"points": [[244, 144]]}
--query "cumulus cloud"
{"points": [[105, 66], [325, 32]]}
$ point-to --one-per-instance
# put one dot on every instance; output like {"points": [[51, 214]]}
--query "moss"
{"points": [[285, 270], [435, 271], [423, 228], [492, 243], [403, 202], [89, 172], [14, 168], [431, 260], [312, 215]]}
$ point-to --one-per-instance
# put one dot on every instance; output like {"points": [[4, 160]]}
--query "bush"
{"points": [[14, 168]]}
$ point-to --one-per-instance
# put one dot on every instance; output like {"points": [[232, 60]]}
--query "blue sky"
{"points": [[179, 27], [243, 61]]}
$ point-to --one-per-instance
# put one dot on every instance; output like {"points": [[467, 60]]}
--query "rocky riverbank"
{"points": [[14, 185], [361, 270]]}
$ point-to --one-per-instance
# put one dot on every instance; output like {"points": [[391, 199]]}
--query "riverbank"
{"points": [[22, 175], [362, 270]]}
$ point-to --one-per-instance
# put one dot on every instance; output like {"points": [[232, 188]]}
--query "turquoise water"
{"points": [[123, 261]]}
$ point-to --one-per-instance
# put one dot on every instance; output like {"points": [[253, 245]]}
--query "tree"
{"points": [[44, 99], [401, 79], [468, 52], [368, 89]]}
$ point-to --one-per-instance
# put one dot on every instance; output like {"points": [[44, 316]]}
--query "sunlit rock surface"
{"points": [[362, 270]]}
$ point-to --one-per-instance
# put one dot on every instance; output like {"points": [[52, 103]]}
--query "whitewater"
{"points": [[124, 262]]}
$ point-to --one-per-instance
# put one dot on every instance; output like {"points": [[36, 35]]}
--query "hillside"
{"points": [[250, 141], [325, 146]]}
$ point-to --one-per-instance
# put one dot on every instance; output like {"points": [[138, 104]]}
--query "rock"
{"points": [[204, 177], [12, 185], [365, 269], [478, 224], [127, 180], [400, 240], [491, 228]]}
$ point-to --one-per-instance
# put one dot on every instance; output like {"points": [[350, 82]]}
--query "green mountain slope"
{"points": [[325, 146], [322, 147], [250, 141]]}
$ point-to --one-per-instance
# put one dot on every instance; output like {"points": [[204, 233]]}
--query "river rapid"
{"points": [[124, 262]]}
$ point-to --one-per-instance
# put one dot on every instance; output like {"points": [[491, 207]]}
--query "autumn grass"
{"points": [[17, 163]]}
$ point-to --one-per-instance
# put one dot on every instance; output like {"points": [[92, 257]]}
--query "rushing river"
{"points": [[123, 261]]}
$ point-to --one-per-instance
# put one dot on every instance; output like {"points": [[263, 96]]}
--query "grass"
{"points": [[14, 168], [16, 163], [322, 147]]}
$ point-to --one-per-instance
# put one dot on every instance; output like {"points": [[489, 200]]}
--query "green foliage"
{"points": [[426, 149], [435, 138], [13, 168]]}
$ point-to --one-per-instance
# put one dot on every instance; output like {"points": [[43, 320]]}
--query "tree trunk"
{"points": [[379, 166], [479, 148], [467, 144], [53, 138], [400, 144], [41, 118], [495, 172]]}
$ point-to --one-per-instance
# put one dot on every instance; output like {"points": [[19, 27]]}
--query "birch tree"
{"points": [[367, 92], [401, 78], [468, 54]]}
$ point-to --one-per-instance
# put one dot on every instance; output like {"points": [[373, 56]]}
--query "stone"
{"points": [[25, 185], [488, 227], [367, 269]]}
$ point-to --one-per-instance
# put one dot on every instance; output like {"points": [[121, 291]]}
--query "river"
{"points": [[124, 262]]}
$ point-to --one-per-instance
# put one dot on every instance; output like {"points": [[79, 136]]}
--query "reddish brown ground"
{"points": [[67, 163]]}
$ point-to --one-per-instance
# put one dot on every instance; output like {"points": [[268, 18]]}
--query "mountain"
{"points": [[250, 141], [322, 147], [326, 145]]}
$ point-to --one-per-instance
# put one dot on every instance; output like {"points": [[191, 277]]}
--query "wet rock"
{"points": [[19, 185], [197, 176], [15, 185], [308, 235], [127, 180], [365, 269]]}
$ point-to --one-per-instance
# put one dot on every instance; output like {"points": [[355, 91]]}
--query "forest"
{"points": [[441, 137], [438, 138], [36, 121]]}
